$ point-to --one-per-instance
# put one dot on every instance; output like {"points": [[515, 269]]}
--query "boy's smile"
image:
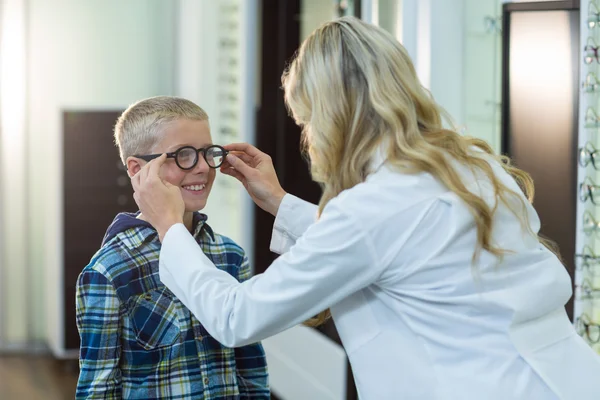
{"points": [[195, 184]]}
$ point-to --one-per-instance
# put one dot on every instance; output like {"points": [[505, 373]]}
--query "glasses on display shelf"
{"points": [[590, 224], [591, 84], [591, 51], [228, 78], [587, 290], [492, 24], [230, 61], [590, 261], [593, 18], [589, 154], [587, 329], [227, 131], [230, 43], [230, 25], [588, 190], [592, 119], [228, 97], [229, 8], [228, 115]]}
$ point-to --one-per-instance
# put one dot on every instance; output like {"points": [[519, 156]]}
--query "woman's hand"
{"points": [[255, 170], [160, 202]]}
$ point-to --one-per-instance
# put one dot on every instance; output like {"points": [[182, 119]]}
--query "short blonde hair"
{"points": [[141, 125]]}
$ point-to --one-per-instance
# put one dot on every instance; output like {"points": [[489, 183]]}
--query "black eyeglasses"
{"points": [[588, 190], [586, 290], [590, 225], [590, 261], [186, 157], [588, 154]]}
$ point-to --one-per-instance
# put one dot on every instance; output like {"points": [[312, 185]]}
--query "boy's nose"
{"points": [[201, 166]]}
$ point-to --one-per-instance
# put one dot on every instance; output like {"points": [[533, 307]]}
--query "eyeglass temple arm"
{"points": [[150, 157]]}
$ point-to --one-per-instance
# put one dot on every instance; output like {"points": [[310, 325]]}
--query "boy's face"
{"points": [[195, 184]]}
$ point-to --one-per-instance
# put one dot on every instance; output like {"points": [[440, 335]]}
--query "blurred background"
{"points": [[69, 67]]}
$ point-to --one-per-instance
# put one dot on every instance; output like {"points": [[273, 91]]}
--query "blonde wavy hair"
{"points": [[351, 87]]}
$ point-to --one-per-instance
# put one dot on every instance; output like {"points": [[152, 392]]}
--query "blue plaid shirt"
{"points": [[138, 341]]}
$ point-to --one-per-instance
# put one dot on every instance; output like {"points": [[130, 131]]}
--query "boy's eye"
{"points": [[186, 157]]}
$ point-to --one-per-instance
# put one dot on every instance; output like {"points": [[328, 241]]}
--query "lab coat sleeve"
{"points": [[293, 219], [333, 259]]}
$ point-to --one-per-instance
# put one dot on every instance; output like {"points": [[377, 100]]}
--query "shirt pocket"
{"points": [[156, 319]]}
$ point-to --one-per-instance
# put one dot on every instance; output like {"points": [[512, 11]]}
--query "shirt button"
{"points": [[206, 381]]}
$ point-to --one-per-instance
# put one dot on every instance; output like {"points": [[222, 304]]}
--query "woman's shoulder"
{"points": [[391, 191]]}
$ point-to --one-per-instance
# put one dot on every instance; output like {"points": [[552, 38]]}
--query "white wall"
{"points": [[82, 55], [13, 192], [313, 13], [457, 60], [200, 29], [482, 63], [447, 50]]}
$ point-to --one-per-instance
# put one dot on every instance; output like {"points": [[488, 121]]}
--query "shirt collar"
{"points": [[135, 237]]}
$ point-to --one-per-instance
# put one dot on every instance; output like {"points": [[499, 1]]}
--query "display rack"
{"points": [[587, 258]]}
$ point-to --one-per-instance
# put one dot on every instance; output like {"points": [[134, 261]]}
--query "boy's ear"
{"points": [[133, 166]]}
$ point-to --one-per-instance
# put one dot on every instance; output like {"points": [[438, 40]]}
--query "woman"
{"points": [[425, 249]]}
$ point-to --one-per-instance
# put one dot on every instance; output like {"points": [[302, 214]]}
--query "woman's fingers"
{"points": [[244, 147], [246, 170], [154, 167], [244, 157], [150, 171]]}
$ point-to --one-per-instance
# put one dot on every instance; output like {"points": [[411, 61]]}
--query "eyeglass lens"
{"points": [[187, 157]]}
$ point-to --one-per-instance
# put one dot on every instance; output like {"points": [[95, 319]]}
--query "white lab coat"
{"points": [[392, 258]]}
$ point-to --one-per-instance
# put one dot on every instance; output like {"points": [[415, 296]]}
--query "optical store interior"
{"points": [[522, 76]]}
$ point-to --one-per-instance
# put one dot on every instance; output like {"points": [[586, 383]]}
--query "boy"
{"points": [[138, 341]]}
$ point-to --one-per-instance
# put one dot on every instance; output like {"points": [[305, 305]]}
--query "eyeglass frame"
{"points": [[588, 257], [591, 83], [595, 228], [593, 18], [587, 290], [492, 24], [174, 154], [587, 155], [586, 190], [583, 321], [593, 47], [592, 119]]}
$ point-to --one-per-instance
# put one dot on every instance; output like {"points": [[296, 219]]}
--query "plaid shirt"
{"points": [[138, 341]]}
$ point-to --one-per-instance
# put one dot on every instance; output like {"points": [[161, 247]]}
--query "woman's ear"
{"points": [[133, 166]]}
